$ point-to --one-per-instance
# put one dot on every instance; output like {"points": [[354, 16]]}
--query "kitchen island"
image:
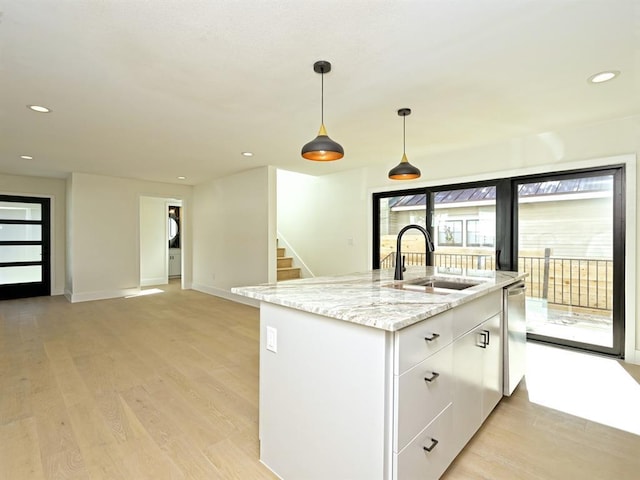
{"points": [[365, 377]]}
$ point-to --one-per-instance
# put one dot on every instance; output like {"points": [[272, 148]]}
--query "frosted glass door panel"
{"points": [[10, 275], [20, 253], [20, 211], [18, 232]]}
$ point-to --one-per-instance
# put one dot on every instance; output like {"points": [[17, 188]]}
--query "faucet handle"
{"points": [[404, 269]]}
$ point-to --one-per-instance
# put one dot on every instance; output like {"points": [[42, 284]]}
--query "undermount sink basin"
{"points": [[446, 284], [433, 285]]}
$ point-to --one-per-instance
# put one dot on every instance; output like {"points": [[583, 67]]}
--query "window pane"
{"points": [[566, 245], [480, 234], [12, 232], [20, 211], [465, 222], [396, 213], [9, 275], [450, 233], [20, 253]]}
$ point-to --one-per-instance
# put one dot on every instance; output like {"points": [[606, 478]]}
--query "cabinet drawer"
{"points": [[415, 463], [422, 392], [471, 314], [417, 342]]}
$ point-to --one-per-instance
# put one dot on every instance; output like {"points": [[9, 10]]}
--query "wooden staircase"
{"points": [[286, 270]]}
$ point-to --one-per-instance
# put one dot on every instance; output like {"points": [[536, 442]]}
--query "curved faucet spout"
{"points": [[399, 258]]}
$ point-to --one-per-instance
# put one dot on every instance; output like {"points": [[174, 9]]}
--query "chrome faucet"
{"points": [[399, 258]]}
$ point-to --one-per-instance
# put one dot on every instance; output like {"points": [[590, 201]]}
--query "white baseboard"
{"points": [[226, 294], [103, 295], [147, 282], [636, 358]]}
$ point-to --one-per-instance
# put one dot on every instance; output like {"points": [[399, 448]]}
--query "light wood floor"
{"points": [[166, 386]]}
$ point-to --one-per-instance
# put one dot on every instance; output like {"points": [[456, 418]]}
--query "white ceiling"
{"points": [[156, 89]]}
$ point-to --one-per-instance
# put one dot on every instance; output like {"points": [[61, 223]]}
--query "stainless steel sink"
{"points": [[436, 286], [446, 284]]}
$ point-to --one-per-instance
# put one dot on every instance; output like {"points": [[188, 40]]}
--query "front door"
{"points": [[24, 247]]}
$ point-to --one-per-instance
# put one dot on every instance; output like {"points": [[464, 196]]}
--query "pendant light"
{"points": [[322, 148], [404, 170]]}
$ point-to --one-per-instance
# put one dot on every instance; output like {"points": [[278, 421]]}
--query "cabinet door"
{"points": [[468, 384], [492, 365]]}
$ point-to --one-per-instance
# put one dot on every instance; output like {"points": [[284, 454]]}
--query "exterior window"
{"points": [[476, 237], [450, 233]]}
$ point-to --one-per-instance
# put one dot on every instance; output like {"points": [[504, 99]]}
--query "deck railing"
{"points": [[575, 282]]}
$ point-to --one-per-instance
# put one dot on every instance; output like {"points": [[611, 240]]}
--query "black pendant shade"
{"points": [[322, 148], [404, 170]]}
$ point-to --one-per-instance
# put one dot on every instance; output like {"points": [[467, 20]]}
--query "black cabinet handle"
{"points": [[434, 442], [488, 336], [484, 341], [432, 337], [498, 266], [433, 376]]}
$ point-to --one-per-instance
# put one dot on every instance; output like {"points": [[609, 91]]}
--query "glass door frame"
{"points": [[619, 235], [30, 289]]}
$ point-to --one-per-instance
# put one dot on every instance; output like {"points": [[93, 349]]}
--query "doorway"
{"points": [[25, 263]]}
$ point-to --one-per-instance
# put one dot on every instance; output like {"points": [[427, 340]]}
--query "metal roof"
{"points": [[534, 189]]}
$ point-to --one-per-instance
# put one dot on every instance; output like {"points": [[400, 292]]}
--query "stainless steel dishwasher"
{"points": [[514, 335]]}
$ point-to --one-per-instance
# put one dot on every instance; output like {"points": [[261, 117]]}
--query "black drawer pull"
{"points": [[434, 442], [432, 337], [484, 341], [433, 376]]}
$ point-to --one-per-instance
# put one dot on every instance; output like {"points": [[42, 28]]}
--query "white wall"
{"points": [[104, 226], [323, 219], [335, 206], [153, 241], [53, 188], [234, 232]]}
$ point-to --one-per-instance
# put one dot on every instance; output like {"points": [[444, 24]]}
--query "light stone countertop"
{"points": [[374, 299]]}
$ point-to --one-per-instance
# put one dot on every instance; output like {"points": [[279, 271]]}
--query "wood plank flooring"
{"points": [[165, 386]]}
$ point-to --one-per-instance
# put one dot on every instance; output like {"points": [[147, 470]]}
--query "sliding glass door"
{"points": [[24, 247], [565, 230], [567, 233]]}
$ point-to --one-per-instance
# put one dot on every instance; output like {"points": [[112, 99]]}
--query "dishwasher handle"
{"points": [[517, 289]]}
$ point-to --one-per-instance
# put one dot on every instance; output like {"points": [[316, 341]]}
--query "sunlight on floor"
{"points": [[587, 386], [142, 293]]}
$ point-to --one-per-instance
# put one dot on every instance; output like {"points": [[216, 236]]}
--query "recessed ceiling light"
{"points": [[26, 157], [39, 108], [603, 76], [247, 154], [182, 178]]}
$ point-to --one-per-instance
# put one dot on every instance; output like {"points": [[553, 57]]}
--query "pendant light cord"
{"points": [[404, 134], [322, 97]]}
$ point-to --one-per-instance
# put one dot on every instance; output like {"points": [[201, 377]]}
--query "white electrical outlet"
{"points": [[272, 339]]}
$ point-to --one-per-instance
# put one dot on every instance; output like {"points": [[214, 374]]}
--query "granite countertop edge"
{"points": [[372, 298]]}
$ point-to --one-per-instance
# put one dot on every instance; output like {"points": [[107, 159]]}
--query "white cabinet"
{"points": [[447, 379], [477, 369], [175, 263]]}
